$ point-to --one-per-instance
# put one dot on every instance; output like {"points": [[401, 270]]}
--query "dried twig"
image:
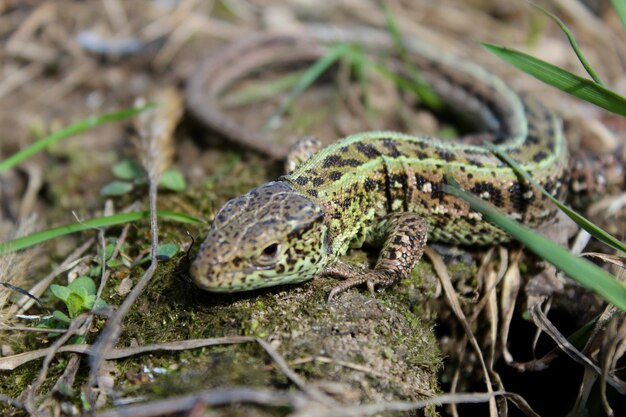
{"points": [[155, 147], [312, 391], [11, 362], [212, 397], [442, 273]]}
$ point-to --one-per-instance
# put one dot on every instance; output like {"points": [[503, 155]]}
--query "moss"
{"points": [[370, 349]]}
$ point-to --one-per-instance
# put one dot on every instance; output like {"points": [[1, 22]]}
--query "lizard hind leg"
{"points": [[404, 237]]}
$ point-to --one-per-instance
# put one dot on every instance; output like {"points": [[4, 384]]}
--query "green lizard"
{"points": [[387, 189]]}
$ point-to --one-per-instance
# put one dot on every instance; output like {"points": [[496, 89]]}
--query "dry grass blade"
{"points": [[11, 362], [442, 273], [155, 147], [14, 268], [12, 402], [384, 408], [213, 397], [613, 351], [612, 259], [510, 289], [30, 393], [541, 321], [25, 302], [312, 391]]}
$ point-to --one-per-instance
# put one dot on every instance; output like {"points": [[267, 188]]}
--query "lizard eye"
{"points": [[268, 255]]}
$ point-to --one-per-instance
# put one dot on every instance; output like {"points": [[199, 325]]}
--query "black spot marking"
{"points": [[495, 194], [317, 182], [331, 160], [532, 139], [351, 162], [438, 190], [475, 162], [420, 181], [446, 155], [370, 185], [335, 175], [368, 150], [312, 193], [515, 197], [390, 144], [539, 156], [302, 180]]}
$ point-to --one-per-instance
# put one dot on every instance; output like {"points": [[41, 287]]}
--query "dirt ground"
{"points": [[285, 350]]}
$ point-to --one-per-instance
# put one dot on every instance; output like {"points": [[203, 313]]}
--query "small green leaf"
{"points": [[61, 316], [167, 251], [61, 292], [99, 304], [75, 304], [116, 188], [114, 263], [173, 179], [89, 301], [82, 293], [83, 283], [128, 170]]}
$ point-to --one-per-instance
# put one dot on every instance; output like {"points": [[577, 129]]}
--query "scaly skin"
{"points": [[387, 189]]}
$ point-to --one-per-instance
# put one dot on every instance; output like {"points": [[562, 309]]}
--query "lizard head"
{"points": [[270, 236]]}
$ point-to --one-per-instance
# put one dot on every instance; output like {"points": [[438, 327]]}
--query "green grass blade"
{"points": [[574, 44], [423, 90], [308, 78], [581, 270], [620, 8], [580, 220], [564, 80], [39, 237], [267, 89], [68, 131]]}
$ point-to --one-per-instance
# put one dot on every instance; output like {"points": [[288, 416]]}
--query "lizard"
{"points": [[380, 188]]}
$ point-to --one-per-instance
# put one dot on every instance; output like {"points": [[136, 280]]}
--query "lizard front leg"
{"points": [[404, 237]]}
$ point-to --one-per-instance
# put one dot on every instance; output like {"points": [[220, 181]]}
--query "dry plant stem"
{"points": [[483, 274], [29, 329], [310, 390], [12, 402], [510, 289], [383, 408], [613, 350], [11, 362], [213, 397], [609, 312], [345, 364], [35, 182], [112, 330], [155, 150], [442, 273], [24, 303], [544, 324], [31, 392]]}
